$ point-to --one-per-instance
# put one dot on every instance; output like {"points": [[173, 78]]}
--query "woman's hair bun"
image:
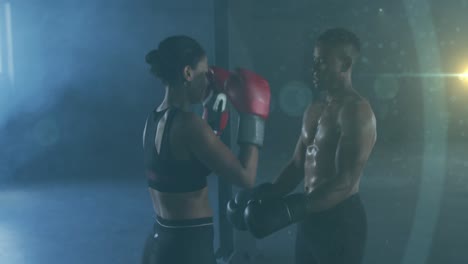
{"points": [[152, 57]]}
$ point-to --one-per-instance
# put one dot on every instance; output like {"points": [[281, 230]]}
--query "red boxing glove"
{"points": [[217, 78], [249, 93], [215, 104]]}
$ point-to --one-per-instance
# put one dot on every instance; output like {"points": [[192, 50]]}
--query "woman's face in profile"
{"points": [[199, 82]]}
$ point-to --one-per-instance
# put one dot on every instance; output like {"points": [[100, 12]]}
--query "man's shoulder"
{"points": [[313, 110], [352, 97], [354, 101], [356, 108]]}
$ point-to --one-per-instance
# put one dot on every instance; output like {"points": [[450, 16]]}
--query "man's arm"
{"points": [[358, 136], [293, 173]]}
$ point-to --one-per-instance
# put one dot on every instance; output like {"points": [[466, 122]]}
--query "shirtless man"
{"points": [[337, 136]]}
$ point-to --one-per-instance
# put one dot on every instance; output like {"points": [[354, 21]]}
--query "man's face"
{"points": [[327, 66]]}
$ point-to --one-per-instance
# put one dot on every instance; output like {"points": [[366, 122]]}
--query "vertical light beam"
{"points": [[431, 187], [9, 43], [1, 43]]}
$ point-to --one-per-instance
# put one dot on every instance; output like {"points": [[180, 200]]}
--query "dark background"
{"points": [[71, 119]]}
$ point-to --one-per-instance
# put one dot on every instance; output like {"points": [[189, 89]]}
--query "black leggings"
{"points": [[184, 241], [334, 236]]}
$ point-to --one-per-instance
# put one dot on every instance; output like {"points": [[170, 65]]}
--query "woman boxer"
{"points": [[181, 149]]}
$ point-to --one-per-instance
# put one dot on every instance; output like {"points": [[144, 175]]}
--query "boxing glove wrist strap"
{"points": [[251, 129]]}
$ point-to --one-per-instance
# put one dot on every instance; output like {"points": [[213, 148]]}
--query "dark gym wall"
{"points": [[82, 89]]}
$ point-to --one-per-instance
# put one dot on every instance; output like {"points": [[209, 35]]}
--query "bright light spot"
{"points": [[380, 10], [9, 248], [463, 76]]}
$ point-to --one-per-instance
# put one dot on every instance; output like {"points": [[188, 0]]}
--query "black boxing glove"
{"points": [[236, 206], [264, 217]]}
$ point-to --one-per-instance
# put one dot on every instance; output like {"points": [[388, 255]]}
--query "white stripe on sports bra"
{"points": [[160, 131], [183, 226]]}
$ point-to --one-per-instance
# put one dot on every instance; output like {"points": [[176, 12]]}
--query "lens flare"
{"points": [[464, 76]]}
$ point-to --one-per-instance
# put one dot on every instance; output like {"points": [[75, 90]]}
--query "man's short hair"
{"points": [[340, 37]]}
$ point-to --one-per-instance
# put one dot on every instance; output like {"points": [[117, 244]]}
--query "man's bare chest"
{"points": [[322, 128]]}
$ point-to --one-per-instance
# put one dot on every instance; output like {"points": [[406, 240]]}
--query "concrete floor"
{"points": [[97, 222], [74, 223]]}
